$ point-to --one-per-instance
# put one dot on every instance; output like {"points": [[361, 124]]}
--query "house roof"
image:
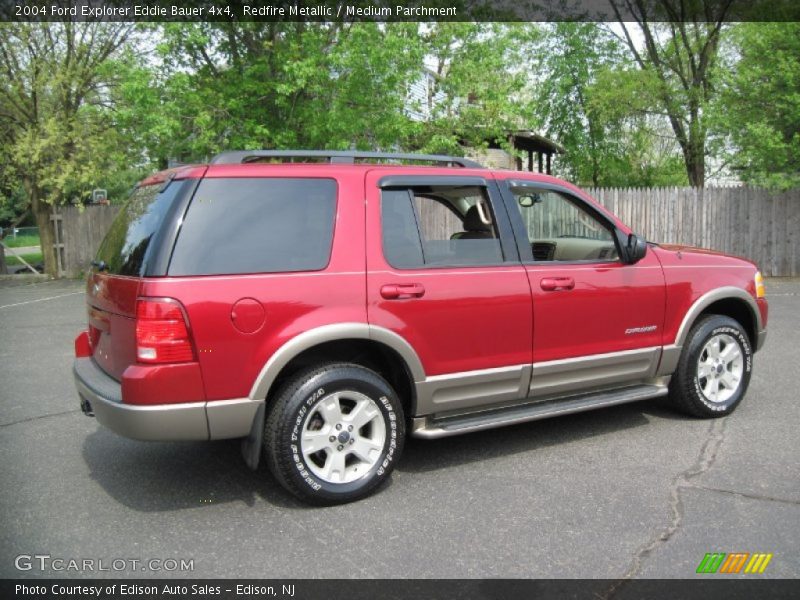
{"points": [[529, 141]]}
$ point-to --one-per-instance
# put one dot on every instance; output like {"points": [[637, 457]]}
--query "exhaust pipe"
{"points": [[86, 407]]}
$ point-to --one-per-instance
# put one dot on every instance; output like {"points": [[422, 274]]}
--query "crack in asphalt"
{"points": [[745, 495], [708, 455], [29, 419], [706, 459]]}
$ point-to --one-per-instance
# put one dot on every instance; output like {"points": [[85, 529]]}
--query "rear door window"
{"points": [[433, 226], [256, 225]]}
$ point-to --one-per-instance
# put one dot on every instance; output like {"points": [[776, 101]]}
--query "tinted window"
{"points": [[256, 225], [401, 240], [439, 226], [125, 247]]}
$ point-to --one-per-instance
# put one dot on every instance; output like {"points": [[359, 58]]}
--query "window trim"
{"points": [[503, 225], [521, 231], [409, 181]]}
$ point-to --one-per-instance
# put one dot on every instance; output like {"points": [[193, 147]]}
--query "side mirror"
{"points": [[636, 248]]}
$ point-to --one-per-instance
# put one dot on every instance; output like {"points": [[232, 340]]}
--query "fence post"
{"points": [[58, 244]]}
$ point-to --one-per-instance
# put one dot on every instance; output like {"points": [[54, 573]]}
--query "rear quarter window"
{"points": [[127, 246], [256, 225]]}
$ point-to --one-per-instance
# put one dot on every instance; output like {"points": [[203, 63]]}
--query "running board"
{"points": [[430, 428]]}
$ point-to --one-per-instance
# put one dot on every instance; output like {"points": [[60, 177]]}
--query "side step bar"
{"points": [[430, 428]]}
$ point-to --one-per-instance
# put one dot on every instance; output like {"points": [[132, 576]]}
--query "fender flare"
{"points": [[332, 333], [707, 299], [671, 353], [251, 445]]}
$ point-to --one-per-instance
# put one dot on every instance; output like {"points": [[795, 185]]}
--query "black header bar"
{"points": [[394, 10]]}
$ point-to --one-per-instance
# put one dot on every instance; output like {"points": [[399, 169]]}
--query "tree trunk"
{"points": [[41, 212], [3, 267], [696, 165]]}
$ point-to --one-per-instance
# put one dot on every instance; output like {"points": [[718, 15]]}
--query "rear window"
{"points": [[256, 225], [125, 247]]}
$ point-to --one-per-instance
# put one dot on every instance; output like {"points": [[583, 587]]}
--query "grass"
{"points": [[22, 240], [32, 259]]}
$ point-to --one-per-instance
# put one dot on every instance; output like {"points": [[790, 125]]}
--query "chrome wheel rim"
{"points": [[343, 437], [720, 368]]}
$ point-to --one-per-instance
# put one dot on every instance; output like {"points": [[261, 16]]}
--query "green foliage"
{"points": [[32, 259], [13, 202], [57, 138], [274, 85], [479, 76], [677, 57], [320, 85], [100, 105], [591, 99], [759, 105], [54, 97], [22, 241]]}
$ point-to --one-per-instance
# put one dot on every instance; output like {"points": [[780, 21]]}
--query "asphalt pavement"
{"points": [[631, 491]]}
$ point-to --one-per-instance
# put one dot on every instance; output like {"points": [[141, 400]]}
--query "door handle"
{"points": [[399, 291], [552, 284]]}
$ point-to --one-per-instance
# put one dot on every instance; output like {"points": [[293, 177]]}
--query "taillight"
{"points": [[162, 334]]}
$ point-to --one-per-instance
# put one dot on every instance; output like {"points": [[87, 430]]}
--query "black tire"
{"points": [[298, 407], [688, 384]]}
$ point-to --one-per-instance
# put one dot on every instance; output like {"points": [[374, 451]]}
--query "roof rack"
{"points": [[349, 157]]}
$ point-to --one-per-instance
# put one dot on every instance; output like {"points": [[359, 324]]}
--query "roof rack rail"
{"points": [[236, 157]]}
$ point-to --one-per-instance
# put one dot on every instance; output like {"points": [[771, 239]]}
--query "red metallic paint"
{"points": [[112, 327], [82, 347], [293, 302], [465, 318], [248, 315], [689, 273], [596, 305], [163, 384], [468, 318], [763, 308], [607, 300]]}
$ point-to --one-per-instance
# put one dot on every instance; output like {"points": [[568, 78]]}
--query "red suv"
{"points": [[321, 310]]}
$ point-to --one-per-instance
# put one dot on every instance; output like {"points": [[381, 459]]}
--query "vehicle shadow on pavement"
{"points": [[430, 455], [158, 477]]}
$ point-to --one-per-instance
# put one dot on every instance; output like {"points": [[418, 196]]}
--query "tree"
{"points": [[276, 85], [576, 105], [568, 58], [53, 98], [678, 59], [479, 76], [320, 85], [759, 104]]}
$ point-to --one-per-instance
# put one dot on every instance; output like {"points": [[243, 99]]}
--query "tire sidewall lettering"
{"points": [[306, 407], [747, 353]]}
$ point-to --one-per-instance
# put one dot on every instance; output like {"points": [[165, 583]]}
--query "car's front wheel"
{"points": [[334, 433], [714, 369]]}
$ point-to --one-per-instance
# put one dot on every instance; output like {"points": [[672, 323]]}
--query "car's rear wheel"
{"points": [[334, 433], [714, 369]]}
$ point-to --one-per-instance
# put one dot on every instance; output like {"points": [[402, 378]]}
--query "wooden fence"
{"points": [[755, 223], [78, 234], [749, 222]]}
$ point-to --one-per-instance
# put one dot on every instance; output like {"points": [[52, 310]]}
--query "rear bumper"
{"points": [[186, 421]]}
